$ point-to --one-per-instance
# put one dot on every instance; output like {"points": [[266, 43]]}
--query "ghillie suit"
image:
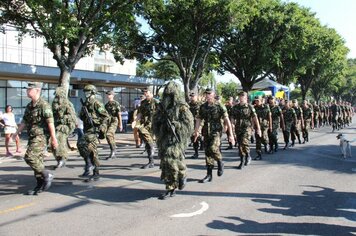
{"points": [[172, 125], [64, 121]]}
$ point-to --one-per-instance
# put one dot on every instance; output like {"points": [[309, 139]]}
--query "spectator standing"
{"points": [[10, 127], [124, 118]]}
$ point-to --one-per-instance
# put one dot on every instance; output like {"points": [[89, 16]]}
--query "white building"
{"points": [[32, 61]]}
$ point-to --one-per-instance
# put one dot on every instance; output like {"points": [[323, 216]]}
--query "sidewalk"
{"points": [[122, 139]]}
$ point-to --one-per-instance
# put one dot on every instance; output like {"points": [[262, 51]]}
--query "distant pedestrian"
{"points": [[10, 127], [124, 118]]}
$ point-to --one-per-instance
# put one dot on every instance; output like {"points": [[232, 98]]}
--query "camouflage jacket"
{"points": [[242, 114], [335, 109], [113, 108], [147, 109], [36, 118], [212, 115], [263, 112], [276, 113], [298, 112], [289, 115], [194, 108], [307, 113], [97, 112]]}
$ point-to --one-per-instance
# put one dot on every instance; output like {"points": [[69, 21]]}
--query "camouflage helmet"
{"points": [[90, 87]]}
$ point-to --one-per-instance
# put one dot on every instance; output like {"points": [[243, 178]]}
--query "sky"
{"points": [[337, 14]]}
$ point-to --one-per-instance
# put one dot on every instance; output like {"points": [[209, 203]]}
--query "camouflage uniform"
{"points": [[147, 109], [64, 121], [289, 119], [212, 115], [170, 148], [296, 127], [307, 115], [316, 115], [323, 114], [194, 109], [113, 108], [276, 113], [263, 113], [335, 111], [37, 118], [243, 114], [88, 144]]}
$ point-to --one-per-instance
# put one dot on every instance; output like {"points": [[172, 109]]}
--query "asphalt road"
{"points": [[306, 190]]}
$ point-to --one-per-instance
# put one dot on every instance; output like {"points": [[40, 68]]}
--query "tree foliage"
{"points": [[72, 29]]}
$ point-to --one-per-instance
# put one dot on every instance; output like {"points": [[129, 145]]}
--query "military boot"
{"points": [[87, 168], [60, 163], [182, 182], [95, 175], [266, 149], [259, 156], [241, 166], [209, 175], [38, 187], [220, 168], [299, 141], [167, 194], [150, 164], [271, 150], [196, 152], [47, 179], [286, 146], [292, 144], [248, 160], [112, 152], [276, 147]]}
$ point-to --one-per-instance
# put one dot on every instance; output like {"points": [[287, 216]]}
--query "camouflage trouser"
{"points": [[196, 143], [273, 137], [110, 133], [287, 132], [145, 134], [261, 140], [173, 168], [35, 153], [334, 121], [306, 128], [88, 147], [61, 152], [212, 148], [295, 131], [243, 139]]}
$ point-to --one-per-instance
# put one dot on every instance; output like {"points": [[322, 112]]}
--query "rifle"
{"points": [[90, 119], [169, 122]]}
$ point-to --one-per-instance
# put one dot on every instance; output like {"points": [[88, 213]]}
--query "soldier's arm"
{"points": [[270, 121], [229, 128], [52, 133], [282, 120], [257, 125], [197, 128]]}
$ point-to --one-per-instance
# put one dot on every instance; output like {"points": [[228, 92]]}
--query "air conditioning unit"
{"points": [[73, 93]]}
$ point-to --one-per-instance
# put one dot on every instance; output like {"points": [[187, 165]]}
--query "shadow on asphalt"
{"points": [[325, 202]]}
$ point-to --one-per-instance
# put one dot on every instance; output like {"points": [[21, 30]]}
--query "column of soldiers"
{"points": [[171, 122]]}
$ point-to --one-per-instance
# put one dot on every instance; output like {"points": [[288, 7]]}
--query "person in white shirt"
{"points": [[10, 127]]}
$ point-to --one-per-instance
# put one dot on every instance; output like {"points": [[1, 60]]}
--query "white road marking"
{"points": [[204, 207]]}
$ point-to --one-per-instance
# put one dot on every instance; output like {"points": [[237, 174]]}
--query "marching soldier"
{"points": [[212, 113], [64, 121], [308, 120], [335, 112], [172, 125], [144, 117], [38, 119], [229, 105], [299, 124], [316, 115], [277, 119], [290, 118], [194, 105], [265, 120], [243, 118], [113, 108], [95, 120]]}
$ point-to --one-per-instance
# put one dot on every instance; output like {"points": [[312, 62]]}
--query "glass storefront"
{"points": [[14, 93]]}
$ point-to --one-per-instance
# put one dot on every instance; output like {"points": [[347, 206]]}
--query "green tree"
{"points": [[228, 89], [72, 29], [252, 52], [184, 32]]}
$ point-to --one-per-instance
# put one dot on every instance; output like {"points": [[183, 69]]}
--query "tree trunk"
{"points": [[64, 78]]}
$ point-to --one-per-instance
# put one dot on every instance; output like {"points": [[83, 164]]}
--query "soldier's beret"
{"points": [[209, 90], [34, 85], [110, 93], [242, 93]]}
